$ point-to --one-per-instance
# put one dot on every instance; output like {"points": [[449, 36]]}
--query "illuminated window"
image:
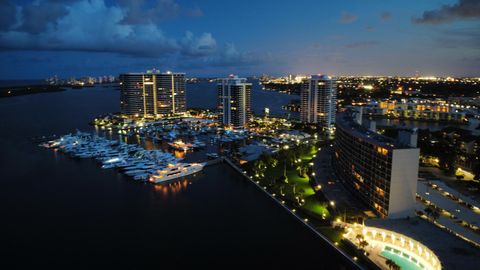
{"points": [[380, 191], [382, 151]]}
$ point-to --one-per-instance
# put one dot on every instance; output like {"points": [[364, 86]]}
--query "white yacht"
{"points": [[172, 172]]}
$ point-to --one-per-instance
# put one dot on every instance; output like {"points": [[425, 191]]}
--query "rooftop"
{"points": [[321, 77], [346, 121]]}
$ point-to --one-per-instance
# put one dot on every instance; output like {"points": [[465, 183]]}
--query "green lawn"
{"points": [[333, 234], [303, 188]]}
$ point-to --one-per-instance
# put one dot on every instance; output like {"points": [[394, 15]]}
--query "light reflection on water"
{"points": [[180, 154], [148, 145], [172, 188]]}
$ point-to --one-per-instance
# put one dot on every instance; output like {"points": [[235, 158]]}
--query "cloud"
{"points": [[386, 16], [229, 55], [362, 45], [145, 12], [94, 26], [7, 15], [38, 15], [347, 17], [465, 38], [91, 26], [463, 10], [201, 46]]}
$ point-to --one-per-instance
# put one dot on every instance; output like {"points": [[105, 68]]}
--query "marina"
{"points": [[154, 166], [76, 194]]}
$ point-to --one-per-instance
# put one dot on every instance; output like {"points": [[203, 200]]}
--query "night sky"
{"points": [[217, 37]]}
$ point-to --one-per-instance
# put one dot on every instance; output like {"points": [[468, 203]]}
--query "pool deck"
{"points": [[453, 252]]}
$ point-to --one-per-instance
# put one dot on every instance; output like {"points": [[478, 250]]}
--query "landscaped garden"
{"points": [[288, 175]]}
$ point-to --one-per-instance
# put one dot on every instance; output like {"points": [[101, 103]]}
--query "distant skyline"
{"points": [[43, 38]]}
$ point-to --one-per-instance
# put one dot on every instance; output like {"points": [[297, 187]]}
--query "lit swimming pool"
{"points": [[401, 259]]}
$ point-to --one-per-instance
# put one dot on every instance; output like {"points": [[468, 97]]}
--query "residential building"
{"points": [[318, 100], [152, 94], [234, 101]]}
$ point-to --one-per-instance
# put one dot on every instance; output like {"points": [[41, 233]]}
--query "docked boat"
{"points": [[180, 145], [173, 172], [212, 155], [198, 144]]}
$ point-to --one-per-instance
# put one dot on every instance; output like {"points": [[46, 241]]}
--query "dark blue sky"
{"points": [[41, 38]]}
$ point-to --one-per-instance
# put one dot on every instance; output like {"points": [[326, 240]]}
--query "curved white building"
{"points": [[384, 244]]}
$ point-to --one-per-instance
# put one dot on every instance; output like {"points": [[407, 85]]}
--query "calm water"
{"points": [[64, 213], [432, 126], [205, 95]]}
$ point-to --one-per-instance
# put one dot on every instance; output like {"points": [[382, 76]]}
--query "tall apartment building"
{"points": [[152, 94], [318, 101], [234, 102], [378, 170]]}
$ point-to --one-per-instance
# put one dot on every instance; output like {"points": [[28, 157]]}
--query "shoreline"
{"points": [[14, 91]]}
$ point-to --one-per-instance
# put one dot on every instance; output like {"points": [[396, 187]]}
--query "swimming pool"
{"points": [[401, 259]]}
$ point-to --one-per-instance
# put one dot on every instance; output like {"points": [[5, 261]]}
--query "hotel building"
{"points": [[383, 173], [234, 103], [152, 94], [318, 100], [417, 110]]}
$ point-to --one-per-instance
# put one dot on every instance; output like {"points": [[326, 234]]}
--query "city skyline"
{"points": [[349, 38], [192, 134]]}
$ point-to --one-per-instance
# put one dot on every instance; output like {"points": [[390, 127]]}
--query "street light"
{"points": [[332, 203]]}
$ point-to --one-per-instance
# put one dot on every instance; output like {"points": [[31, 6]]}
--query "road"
{"points": [[333, 189]]}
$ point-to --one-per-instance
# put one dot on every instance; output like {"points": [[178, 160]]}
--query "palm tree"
{"points": [[363, 244], [432, 212], [359, 238], [390, 263], [428, 211], [435, 213]]}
